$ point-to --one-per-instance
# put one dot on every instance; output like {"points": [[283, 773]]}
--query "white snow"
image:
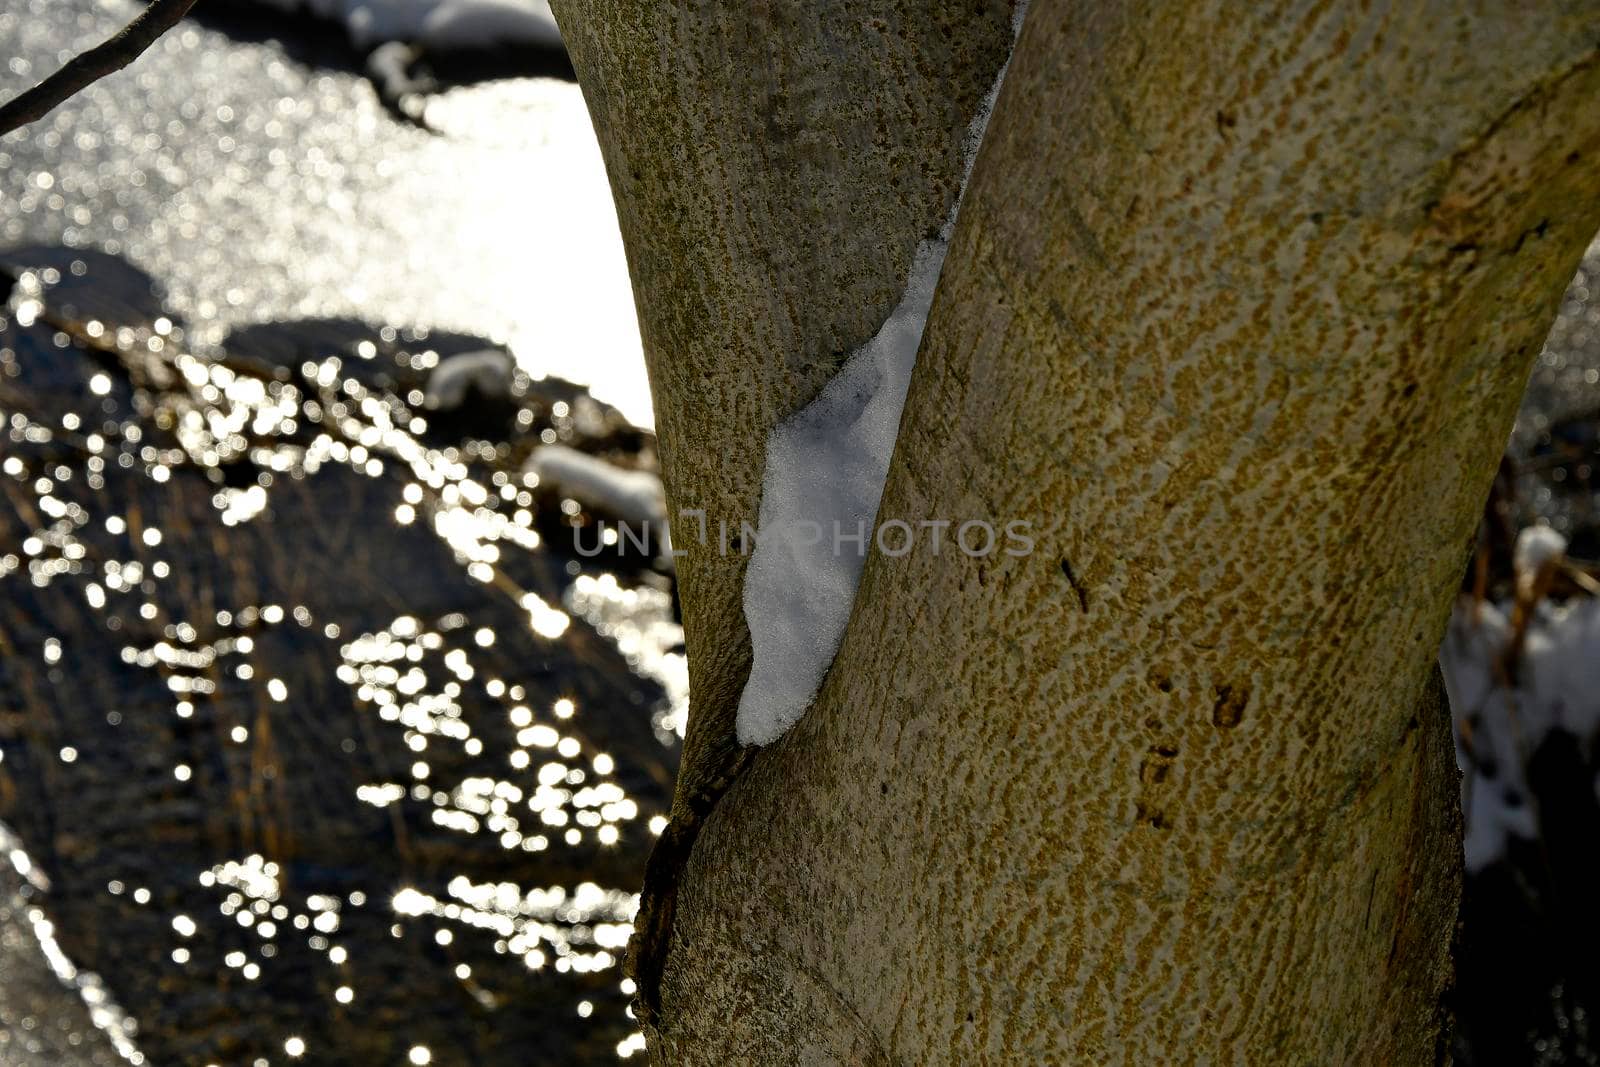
{"points": [[826, 464], [824, 476], [1500, 727], [442, 24], [490, 23], [634, 497], [488, 370], [1537, 546]]}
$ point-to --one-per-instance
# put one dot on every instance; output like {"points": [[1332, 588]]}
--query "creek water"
{"points": [[318, 741]]}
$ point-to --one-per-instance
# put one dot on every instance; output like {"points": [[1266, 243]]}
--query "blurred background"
{"points": [[320, 739]]}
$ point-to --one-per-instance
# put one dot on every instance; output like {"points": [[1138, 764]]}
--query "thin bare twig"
{"points": [[85, 69]]}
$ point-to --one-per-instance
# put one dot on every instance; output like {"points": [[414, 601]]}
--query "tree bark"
{"points": [[1236, 316], [774, 166]]}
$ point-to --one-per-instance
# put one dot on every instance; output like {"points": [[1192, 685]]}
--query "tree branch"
{"points": [[84, 70]]}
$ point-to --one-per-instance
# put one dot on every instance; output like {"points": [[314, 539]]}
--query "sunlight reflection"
{"points": [[450, 725]]}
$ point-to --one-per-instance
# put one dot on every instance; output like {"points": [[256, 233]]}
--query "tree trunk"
{"points": [[774, 166], [1238, 309]]}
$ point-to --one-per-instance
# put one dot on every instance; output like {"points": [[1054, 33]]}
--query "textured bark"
{"points": [[774, 166], [1236, 316]]}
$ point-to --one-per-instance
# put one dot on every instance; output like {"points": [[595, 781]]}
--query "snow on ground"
{"points": [[825, 470], [634, 497], [1537, 549], [1505, 706], [488, 371], [438, 24]]}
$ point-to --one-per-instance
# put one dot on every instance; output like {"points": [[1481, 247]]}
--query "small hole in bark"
{"points": [[883, 787], [1151, 816], [1230, 705], [1077, 586]]}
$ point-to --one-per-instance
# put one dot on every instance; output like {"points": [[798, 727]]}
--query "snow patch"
{"points": [[1537, 547], [825, 464], [488, 371], [635, 497], [1499, 727], [468, 24], [825, 470], [440, 24]]}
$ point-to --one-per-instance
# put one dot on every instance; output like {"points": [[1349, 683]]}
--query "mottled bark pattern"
{"points": [[1237, 315]]}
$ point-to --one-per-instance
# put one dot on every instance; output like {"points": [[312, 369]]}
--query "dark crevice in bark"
{"points": [[658, 897]]}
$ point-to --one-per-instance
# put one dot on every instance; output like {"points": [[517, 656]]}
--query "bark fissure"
{"points": [[1539, 94], [658, 895]]}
